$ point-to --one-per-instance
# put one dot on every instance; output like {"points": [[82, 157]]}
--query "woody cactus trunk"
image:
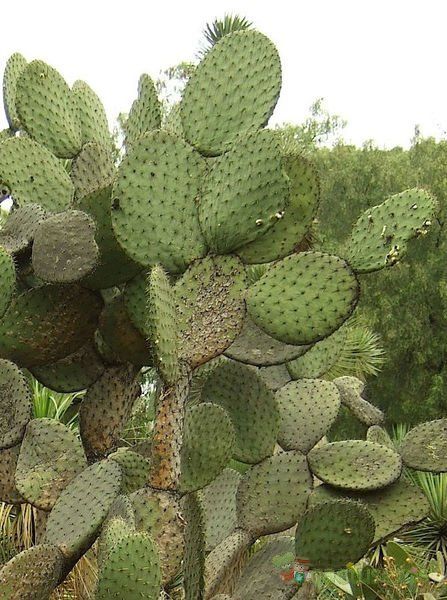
{"points": [[183, 257]]}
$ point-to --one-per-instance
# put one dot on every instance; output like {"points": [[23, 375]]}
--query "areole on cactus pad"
{"points": [[179, 255]]}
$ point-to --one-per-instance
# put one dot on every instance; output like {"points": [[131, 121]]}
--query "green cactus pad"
{"points": [[145, 112], [17, 234], [81, 508], [47, 110], [393, 507], [264, 576], [15, 66], [15, 403], [91, 114], [355, 465], [254, 347], [158, 513], [245, 193], [320, 357], [274, 377], [224, 562], [7, 280], [131, 570], [380, 236], [162, 325], [73, 373], [194, 555], [51, 456], [106, 408], [135, 301], [425, 447], [351, 390], [318, 293], [307, 409], [251, 406], [124, 340], [234, 89], [282, 239], [45, 324], [135, 469], [34, 175], [208, 444], [218, 500], [93, 170], [114, 267], [272, 496], [113, 531], [64, 248], [8, 464], [32, 574], [210, 306], [154, 206], [379, 435], [333, 534]]}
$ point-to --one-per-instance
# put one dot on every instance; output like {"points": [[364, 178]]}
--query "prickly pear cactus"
{"points": [[181, 257]]}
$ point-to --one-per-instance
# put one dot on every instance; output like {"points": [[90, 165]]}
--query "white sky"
{"points": [[381, 64]]}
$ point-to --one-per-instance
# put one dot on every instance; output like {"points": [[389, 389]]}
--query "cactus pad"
{"points": [[131, 570], [50, 457], [162, 324], [245, 193], [90, 114], [17, 234], [272, 496], [15, 403], [393, 507], [319, 358], [380, 236], [334, 533], [263, 577], [235, 88], [135, 469], [47, 109], [351, 390], [282, 239], [355, 465], [194, 556], [145, 112], [307, 409], [218, 500], [34, 175], [93, 170], [425, 447], [251, 406], [14, 68], [158, 513], [64, 248], [154, 210], [121, 336], [379, 435], [210, 306], [318, 293], [81, 508], [254, 347], [274, 377], [106, 408], [8, 464], [73, 373], [45, 324], [208, 444], [32, 574]]}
